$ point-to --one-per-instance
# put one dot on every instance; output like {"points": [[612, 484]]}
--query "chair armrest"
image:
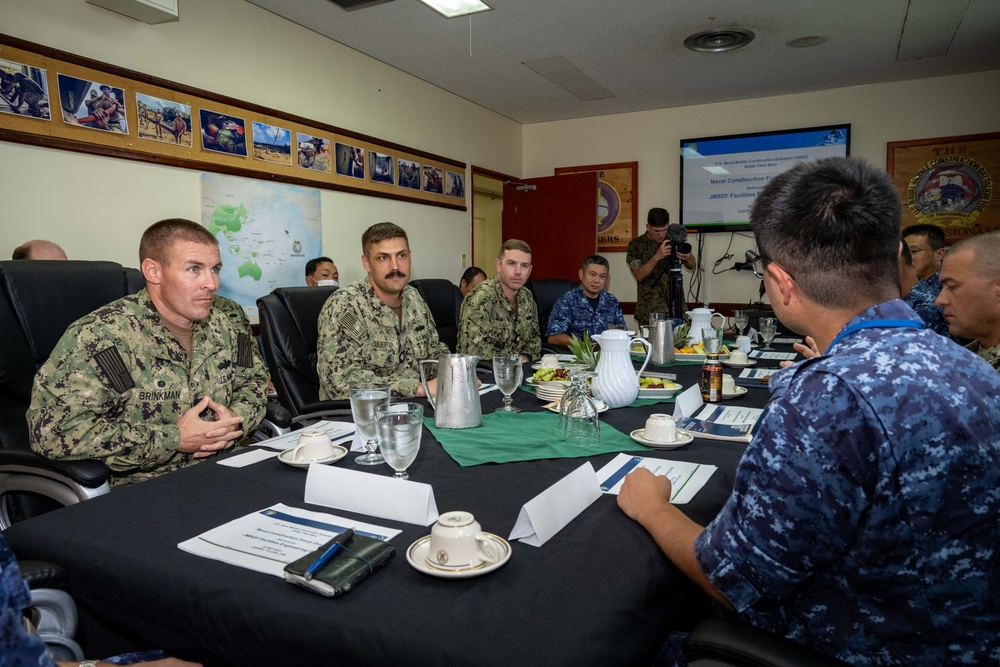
{"points": [[41, 574], [88, 473], [278, 414], [728, 642], [340, 407]]}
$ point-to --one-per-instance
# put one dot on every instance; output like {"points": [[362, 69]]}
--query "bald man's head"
{"points": [[38, 249]]}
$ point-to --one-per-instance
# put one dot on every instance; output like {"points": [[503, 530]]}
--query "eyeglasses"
{"points": [[759, 263], [914, 251]]}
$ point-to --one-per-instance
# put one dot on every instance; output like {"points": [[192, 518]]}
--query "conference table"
{"points": [[600, 592]]}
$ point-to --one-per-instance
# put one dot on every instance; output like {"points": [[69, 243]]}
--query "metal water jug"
{"points": [[456, 401], [661, 337]]}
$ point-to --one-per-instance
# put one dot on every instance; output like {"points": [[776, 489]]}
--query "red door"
{"points": [[557, 218]]}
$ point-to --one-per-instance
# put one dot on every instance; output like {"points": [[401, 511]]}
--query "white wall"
{"points": [[96, 208], [946, 106]]}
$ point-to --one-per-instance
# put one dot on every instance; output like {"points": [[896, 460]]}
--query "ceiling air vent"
{"points": [[719, 40], [354, 5]]}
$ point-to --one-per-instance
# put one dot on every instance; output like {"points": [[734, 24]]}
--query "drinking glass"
{"points": [[768, 329], [366, 397], [742, 320], [399, 427], [508, 373], [711, 338], [578, 421]]}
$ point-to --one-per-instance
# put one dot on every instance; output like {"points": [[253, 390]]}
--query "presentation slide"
{"points": [[721, 176]]}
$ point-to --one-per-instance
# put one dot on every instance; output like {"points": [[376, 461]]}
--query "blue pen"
{"points": [[338, 542]]}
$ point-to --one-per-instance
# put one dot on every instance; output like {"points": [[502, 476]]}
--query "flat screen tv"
{"points": [[721, 176]]}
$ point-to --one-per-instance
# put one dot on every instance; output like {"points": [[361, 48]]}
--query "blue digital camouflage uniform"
{"points": [[117, 382], [573, 314], [17, 647], [362, 340], [921, 300], [865, 518], [488, 325], [934, 282]]}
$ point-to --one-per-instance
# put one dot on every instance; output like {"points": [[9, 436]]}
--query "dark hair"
{"points": [[470, 275], [934, 234], [906, 254], [833, 225], [161, 236], [22, 252], [313, 263], [657, 217], [382, 231], [595, 259]]}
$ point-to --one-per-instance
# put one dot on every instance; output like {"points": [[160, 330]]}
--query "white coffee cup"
{"points": [[728, 384], [314, 445], [458, 542], [660, 428], [738, 357], [743, 343], [549, 361]]}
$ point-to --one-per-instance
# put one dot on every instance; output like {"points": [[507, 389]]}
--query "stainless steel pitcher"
{"points": [[661, 337], [456, 403]]}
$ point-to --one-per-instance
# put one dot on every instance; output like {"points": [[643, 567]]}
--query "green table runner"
{"points": [[527, 436], [637, 403]]}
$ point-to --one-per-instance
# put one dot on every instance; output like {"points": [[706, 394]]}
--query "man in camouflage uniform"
{"points": [[586, 308], [378, 328], [970, 293], [864, 519], [499, 316], [919, 296], [157, 380], [648, 258], [927, 245]]}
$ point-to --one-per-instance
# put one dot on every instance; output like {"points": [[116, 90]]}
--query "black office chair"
{"points": [[288, 325], [730, 643], [445, 301], [38, 301], [546, 291], [52, 610]]}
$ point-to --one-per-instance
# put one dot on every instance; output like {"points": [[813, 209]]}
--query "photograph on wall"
{"points": [[409, 174], [24, 90], [163, 120], [456, 184], [617, 202], [433, 179], [381, 168], [314, 152], [350, 160], [92, 104], [948, 182], [222, 133], [271, 143]]}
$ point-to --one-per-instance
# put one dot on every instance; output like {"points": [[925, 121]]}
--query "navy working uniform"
{"points": [[575, 313], [921, 299]]}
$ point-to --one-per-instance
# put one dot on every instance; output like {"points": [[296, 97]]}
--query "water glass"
{"points": [[742, 319], [366, 397], [399, 427], [578, 421], [768, 329], [712, 340], [508, 373]]}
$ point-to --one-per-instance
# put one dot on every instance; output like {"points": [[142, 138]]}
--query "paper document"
{"points": [[722, 423], [686, 479], [268, 540], [374, 495], [248, 458], [551, 510], [786, 341], [339, 432], [777, 356]]}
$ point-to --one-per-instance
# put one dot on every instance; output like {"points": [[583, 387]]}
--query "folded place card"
{"points": [[688, 402], [374, 495], [551, 510], [246, 458]]}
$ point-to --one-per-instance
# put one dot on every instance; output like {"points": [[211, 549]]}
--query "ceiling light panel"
{"points": [[452, 8]]}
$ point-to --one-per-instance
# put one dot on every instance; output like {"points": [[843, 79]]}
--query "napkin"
{"points": [[551, 510]]}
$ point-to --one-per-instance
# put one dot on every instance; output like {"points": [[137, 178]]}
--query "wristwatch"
{"points": [[88, 663]]}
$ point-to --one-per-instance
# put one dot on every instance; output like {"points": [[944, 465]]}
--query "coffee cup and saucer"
{"points": [[457, 548], [661, 433], [739, 359], [729, 388], [314, 446]]}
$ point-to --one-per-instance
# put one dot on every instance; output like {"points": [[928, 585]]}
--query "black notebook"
{"points": [[359, 557]]}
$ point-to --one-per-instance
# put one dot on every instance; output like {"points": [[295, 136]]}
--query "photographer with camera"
{"points": [[655, 259]]}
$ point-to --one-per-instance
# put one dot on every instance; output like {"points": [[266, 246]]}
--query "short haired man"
{"points": [[157, 380], [649, 258], [918, 295], [586, 308], [378, 328], [470, 279], [38, 249], [927, 248], [322, 271], [500, 316], [970, 293], [865, 518]]}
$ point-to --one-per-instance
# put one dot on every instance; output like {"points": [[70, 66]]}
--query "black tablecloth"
{"points": [[598, 593]]}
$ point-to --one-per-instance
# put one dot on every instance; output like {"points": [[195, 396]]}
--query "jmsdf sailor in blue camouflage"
{"points": [[865, 515], [157, 380], [379, 328]]}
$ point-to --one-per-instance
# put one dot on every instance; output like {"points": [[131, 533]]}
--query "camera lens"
{"points": [[684, 248]]}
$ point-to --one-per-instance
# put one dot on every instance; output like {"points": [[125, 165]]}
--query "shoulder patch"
{"points": [[244, 350], [110, 361]]}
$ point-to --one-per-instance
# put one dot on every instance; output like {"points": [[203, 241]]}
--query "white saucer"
{"points": [[736, 394], [733, 364], [554, 407], [286, 457], [682, 439], [416, 556]]}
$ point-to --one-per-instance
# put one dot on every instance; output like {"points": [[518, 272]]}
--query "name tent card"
{"points": [[551, 510], [688, 402], [374, 495]]}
